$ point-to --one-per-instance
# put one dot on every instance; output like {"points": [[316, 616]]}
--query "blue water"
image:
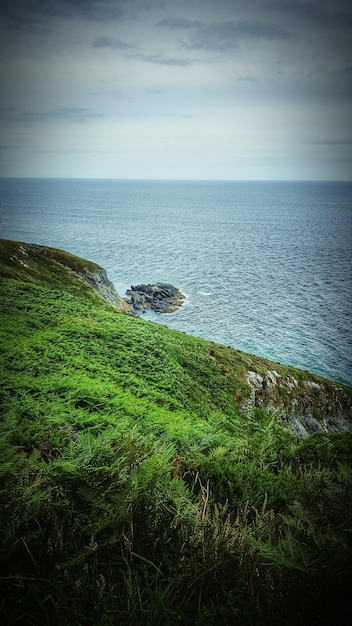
{"points": [[266, 266]]}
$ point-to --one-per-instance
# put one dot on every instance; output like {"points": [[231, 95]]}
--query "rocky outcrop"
{"points": [[306, 405], [160, 297]]}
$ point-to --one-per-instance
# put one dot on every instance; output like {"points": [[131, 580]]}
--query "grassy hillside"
{"points": [[135, 490]]}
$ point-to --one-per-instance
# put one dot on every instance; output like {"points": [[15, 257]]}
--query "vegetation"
{"points": [[134, 492]]}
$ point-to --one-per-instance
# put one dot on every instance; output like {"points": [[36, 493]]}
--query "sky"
{"points": [[176, 89]]}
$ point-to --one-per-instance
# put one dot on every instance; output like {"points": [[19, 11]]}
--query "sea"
{"points": [[266, 267]]}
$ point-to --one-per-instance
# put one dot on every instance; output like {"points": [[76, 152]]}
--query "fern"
{"points": [[288, 552]]}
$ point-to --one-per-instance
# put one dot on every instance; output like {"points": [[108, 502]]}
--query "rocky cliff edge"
{"points": [[44, 265]]}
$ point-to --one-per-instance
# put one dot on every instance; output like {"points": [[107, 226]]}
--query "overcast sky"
{"points": [[179, 89]]}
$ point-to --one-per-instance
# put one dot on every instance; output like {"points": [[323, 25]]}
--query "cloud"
{"points": [[155, 90], [248, 79], [63, 113], [224, 36], [27, 12], [160, 59], [109, 42], [79, 151], [174, 22], [126, 81], [333, 142], [320, 15]]}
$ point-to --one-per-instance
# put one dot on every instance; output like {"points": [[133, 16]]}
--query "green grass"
{"points": [[134, 490]]}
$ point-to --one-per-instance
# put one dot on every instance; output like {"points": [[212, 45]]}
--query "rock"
{"points": [[160, 297], [307, 406]]}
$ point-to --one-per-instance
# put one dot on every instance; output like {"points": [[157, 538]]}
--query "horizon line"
{"points": [[184, 180]]}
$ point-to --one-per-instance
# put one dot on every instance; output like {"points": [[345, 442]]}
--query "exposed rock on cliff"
{"points": [[161, 297], [308, 405], [99, 281]]}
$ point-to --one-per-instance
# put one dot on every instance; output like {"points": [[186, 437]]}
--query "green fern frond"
{"points": [[289, 552]]}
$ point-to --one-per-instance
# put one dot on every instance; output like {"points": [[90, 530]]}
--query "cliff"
{"points": [[58, 269], [301, 401]]}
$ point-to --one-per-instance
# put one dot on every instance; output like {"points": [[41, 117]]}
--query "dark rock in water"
{"points": [[161, 297]]}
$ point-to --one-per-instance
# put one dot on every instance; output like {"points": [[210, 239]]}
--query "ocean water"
{"points": [[266, 267]]}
